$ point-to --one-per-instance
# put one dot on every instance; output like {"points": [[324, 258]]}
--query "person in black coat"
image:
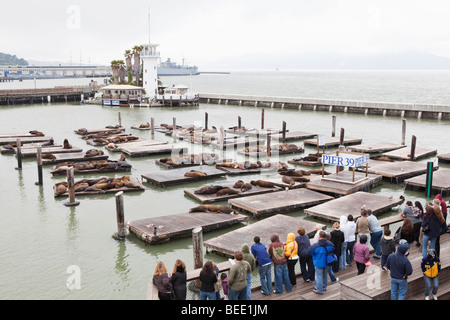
{"points": [[337, 238], [178, 280]]}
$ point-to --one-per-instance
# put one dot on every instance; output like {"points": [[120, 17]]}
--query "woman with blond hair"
{"points": [[162, 281], [178, 280]]}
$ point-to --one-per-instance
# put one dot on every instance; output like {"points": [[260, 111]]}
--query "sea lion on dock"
{"points": [[49, 156], [81, 186], [300, 179], [226, 209], [262, 183], [66, 144], [246, 186], [226, 191], [93, 153], [60, 188], [145, 125], [195, 174], [288, 180], [36, 133], [238, 184], [205, 208], [209, 189]]}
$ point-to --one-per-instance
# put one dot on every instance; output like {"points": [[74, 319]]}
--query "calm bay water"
{"points": [[42, 239]]}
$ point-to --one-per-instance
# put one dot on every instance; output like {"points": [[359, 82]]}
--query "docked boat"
{"points": [[170, 68]]}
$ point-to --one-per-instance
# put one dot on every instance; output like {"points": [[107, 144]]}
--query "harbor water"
{"points": [[45, 244]]}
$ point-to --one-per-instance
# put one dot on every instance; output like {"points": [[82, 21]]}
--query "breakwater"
{"points": [[404, 110]]}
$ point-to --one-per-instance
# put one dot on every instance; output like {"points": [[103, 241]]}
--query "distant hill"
{"points": [[11, 60]]}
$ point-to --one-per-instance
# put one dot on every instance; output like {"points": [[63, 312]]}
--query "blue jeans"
{"points": [[398, 289], [321, 279], [237, 295], [265, 276], [349, 256], [343, 257], [204, 295], [249, 286], [282, 277], [375, 238], [331, 273], [425, 244], [428, 282]]}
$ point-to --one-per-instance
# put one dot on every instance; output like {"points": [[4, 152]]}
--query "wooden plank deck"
{"points": [[24, 140], [84, 131], [376, 147], [17, 135], [334, 141], [12, 149], [398, 171], [32, 152], [351, 204], [190, 160], [294, 135], [238, 168], [278, 224], [166, 178], [440, 183], [275, 150], [238, 142], [74, 157], [209, 198], [279, 202], [404, 153], [90, 166], [339, 184], [181, 225], [444, 158], [118, 147], [149, 150], [277, 180]]}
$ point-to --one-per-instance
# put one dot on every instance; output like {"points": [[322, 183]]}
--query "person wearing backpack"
{"points": [[276, 253], [318, 251], [431, 266]]}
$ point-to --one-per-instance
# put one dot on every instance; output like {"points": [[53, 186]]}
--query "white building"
{"points": [[150, 58]]}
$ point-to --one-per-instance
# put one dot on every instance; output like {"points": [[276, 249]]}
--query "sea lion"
{"points": [[66, 144], [81, 186], [209, 189], [60, 189], [205, 208], [226, 209], [238, 184], [195, 174], [145, 125], [48, 156], [93, 153], [300, 179], [262, 183], [288, 180], [246, 186], [92, 188], [36, 133], [226, 191]]}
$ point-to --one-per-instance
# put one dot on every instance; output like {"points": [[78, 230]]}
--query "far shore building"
{"points": [[121, 95]]}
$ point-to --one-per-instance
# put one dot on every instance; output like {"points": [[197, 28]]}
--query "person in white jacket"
{"points": [[351, 225], [343, 226]]}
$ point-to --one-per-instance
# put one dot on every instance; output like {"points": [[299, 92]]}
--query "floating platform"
{"points": [[24, 140], [440, 183], [10, 150], [84, 131], [149, 150], [294, 135], [238, 142], [279, 202], [146, 128], [333, 142], [444, 158], [398, 171], [351, 204], [17, 135], [177, 176], [210, 198], [190, 160], [275, 150], [404, 153], [279, 224], [340, 184], [118, 147], [134, 181], [181, 225], [74, 157], [32, 152], [277, 181], [377, 147], [238, 169], [91, 166]]}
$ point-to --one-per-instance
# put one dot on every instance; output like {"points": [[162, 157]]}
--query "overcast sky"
{"points": [[206, 31]]}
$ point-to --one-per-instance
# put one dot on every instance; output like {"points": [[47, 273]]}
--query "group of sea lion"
{"points": [[98, 185], [313, 157], [99, 165], [83, 131], [213, 208], [290, 177], [239, 187], [93, 153], [252, 165], [203, 158], [101, 134], [281, 148]]}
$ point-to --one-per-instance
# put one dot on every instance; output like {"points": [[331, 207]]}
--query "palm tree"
{"points": [[122, 71], [115, 67], [137, 63], [128, 56]]}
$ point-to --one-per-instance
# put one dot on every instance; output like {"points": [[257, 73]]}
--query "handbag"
{"points": [[426, 228]]}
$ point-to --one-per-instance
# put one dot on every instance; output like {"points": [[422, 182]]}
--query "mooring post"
{"points": [[262, 118], [121, 231], [152, 125], [19, 154], [403, 131], [71, 188], [197, 246], [239, 122], [341, 137], [429, 181], [222, 139], [39, 165], [268, 151], [206, 120], [413, 148], [120, 119], [284, 131], [174, 127], [333, 126]]}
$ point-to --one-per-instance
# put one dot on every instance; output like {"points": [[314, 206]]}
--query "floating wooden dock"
{"points": [[165, 228], [279, 202], [333, 142], [84, 131], [24, 140], [339, 184], [149, 150], [32, 152], [278, 224], [118, 147], [398, 171], [17, 135], [351, 204], [293, 135], [239, 169], [275, 150], [190, 160], [210, 198], [277, 181], [440, 182], [444, 158], [73, 157], [377, 147], [405, 153], [91, 166], [166, 178], [237, 142], [10, 150]]}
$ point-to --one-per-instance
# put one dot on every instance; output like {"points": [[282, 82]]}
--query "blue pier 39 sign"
{"points": [[346, 159]]}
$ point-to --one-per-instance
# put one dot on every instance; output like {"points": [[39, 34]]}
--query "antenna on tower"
{"points": [[149, 42]]}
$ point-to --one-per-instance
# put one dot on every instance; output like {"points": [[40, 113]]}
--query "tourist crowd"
{"points": [[322, 256]]}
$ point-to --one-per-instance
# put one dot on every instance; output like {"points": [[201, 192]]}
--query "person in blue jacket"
{"points": [[400, 268], [262, 257], [318, 251]]}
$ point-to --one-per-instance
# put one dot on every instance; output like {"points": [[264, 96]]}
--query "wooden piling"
{"points": [[239, 122], [120, 214], [206, 120], [120, 119], [268, 147], [413, 148], [39, 165], [71, 188], [19, 154], [403, 131], [262, 118], [152, 125], [333, 126], [174, 127], [283, 134], [341, 137], [197, 246]]}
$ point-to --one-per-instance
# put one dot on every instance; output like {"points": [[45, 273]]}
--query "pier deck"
{"points": [[24, 140], [444, 158], [74, 157], [334, 142], [181, 225], [398, 171], [294, 135], [279, 202], [440, 183], [405, 153], [278, 224], [376, 147], [166, 178], [351, 204], [32, 152], [148, 150]]}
